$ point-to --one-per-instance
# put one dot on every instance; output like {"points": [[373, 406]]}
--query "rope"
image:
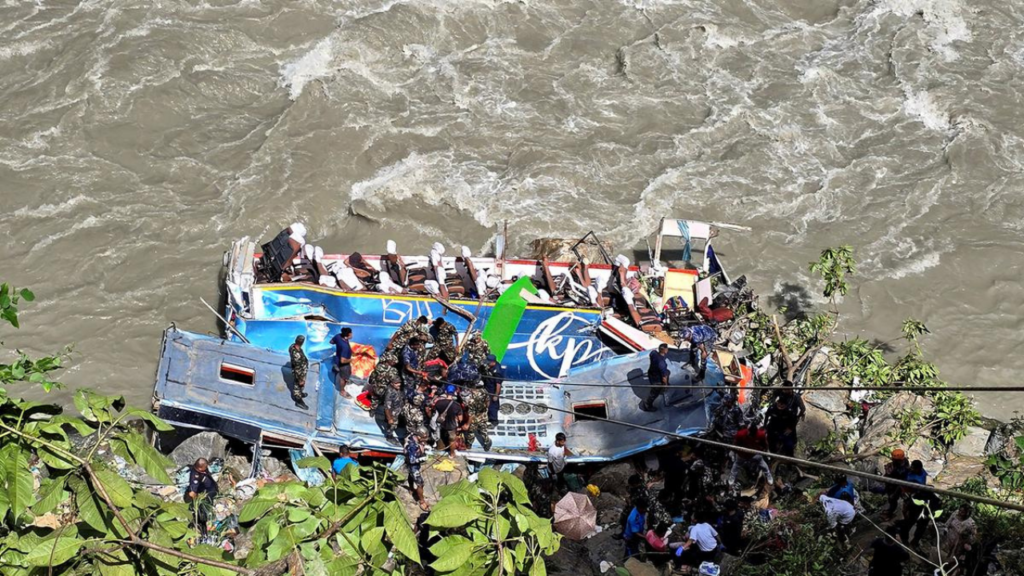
{"points": [[787, 459]]}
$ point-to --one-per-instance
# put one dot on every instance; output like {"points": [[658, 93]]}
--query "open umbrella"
{"points": [[575, 516]]}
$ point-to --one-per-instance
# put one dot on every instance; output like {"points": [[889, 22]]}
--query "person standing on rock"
{"points": [[897, 469], [493, 377], [300, 366], [199, 495], [477, 426], [343, 355], [657, 375], [415, 456], [557, 454], [394, 407]]}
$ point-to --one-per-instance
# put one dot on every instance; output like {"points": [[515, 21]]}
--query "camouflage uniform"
{"points": [[405, 333], [477, 349], [728, 420], [300, 366], [445, 342], [382, 376], [394, 401], [415, 418], [477, 402], [656, 513]]}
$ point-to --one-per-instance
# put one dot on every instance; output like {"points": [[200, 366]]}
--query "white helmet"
{"points": [[438, 247]]}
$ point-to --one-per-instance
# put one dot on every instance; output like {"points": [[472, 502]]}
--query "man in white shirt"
{"points": [[701, 543], [557, 454], [840, 514]]}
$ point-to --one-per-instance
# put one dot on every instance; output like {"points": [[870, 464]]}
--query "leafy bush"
{"points": [[477, 526], [796, 543]]}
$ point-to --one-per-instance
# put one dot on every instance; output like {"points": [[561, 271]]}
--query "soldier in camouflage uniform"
{"points": [[300, 367], [384, 373], [477, 401], [445, 336], [415, 406], [477, 350], [394, 408], [403, 335]]}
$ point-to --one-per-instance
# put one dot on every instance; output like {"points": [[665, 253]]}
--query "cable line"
{"points": [[781, 458]]}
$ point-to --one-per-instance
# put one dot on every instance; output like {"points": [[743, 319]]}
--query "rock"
{"points": [[833, 401], [614, 478], [638, 568], [572, 558], [816, 426], [604, 548], [560, 250], [272, 466], [207, 445], [973, 444], [881, 419], [609, 508], [241, 464], [960, 469]]}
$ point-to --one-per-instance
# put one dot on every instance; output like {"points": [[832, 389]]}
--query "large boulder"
{"points": [[207, 445], [603, 547], [973, 444], [877, 435], [833, 401], [614, 478], [638, 568], [609, 509], [960, 469]]}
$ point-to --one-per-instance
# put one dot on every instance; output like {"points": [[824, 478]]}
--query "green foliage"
{"points": [[834, 265], [476, 527], [794, 545], [9, 299]]}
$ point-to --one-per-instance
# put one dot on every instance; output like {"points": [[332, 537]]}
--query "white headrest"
{"points": [[438, 247], [621, 260], [298, 228], [318, 254], [466, 252], [432, 286], [298, 238], [435, 257], [309, 250], [492, 282], [392, 247]]}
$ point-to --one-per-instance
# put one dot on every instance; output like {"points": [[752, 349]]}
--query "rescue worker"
{"points": [[343, 357], [394, 407], [657, 374], [403, 335], [384, 373], [415, 455], [477, 350], [410, 365], [300, 366], [493, 377], [415, 406], [477, 401], [445, 337]]}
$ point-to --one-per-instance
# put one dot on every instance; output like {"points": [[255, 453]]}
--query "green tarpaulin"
{"points": [[505, 317]]}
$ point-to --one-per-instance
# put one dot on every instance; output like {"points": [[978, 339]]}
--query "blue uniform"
{"points": [[342, 348], [340, 464], [659, 368]]}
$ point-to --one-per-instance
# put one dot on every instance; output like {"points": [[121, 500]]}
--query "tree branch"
{"points": [[132, 535]]}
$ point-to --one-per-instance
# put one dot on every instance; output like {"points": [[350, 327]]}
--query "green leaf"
{"points": [[343, 566], [451, 514], [400, 533], [88, 506], [489, 480], [373, 540], [118, 490], [508, 561], [441, 547], [152, 461], [462, 490], [19, 480], [211, 553], [1019, 440], [255, 508], [27, 295], [5, 505], [453, 558], [538, 568], [319, 462], [51, 495], [54, 552], [516, 486], [621, 571], [157, 424], [77, 423], [296, 515], [114, 564]]}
